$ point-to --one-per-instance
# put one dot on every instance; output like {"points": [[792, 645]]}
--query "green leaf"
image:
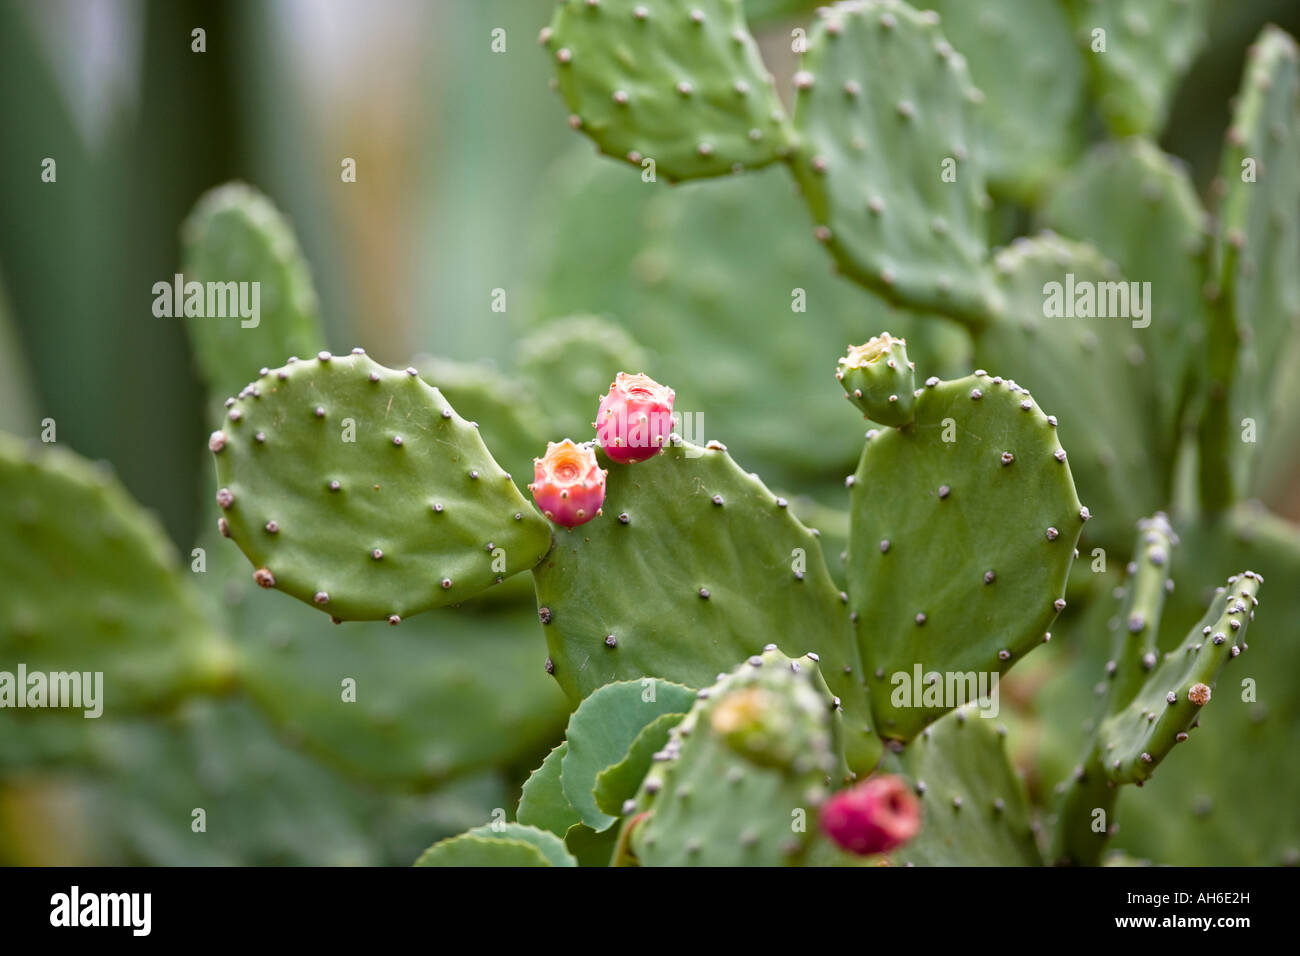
{"points": [[543, 803], [509, 844], [602, 730], [619, 782]]}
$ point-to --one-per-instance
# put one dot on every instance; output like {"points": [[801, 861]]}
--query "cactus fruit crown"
{"points": [[869, 353], [568, 483]]}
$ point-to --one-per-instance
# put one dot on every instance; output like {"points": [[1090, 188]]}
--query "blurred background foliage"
{"points": [[468, 181]]}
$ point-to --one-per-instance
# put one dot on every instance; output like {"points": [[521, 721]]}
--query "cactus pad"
{"points": [[679, 82], [446, 694], [1139, 207], [695, 565], [1137, 738], [1036, 115], [963, 531], [96, 586], [505, 844], [1092, 372], [888, 157], [1150, 44], [235, 235], [412, 514], [709, 803], [1214, 805], [975, 811], [1259, 241]]}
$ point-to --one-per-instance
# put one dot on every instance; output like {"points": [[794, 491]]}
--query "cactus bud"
{"points": [[878, 379], [568, 485], [757, 724], [635, 419], [878, 815]]}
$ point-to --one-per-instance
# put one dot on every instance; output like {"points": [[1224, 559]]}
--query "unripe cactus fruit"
{"points": [[568, 484], [757, 724], [635, 419], [878, 815], [878, 379]]}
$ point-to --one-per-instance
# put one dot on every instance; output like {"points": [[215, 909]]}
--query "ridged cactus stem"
{"points": [[1081, 832], [1134, 647], [1216, 485]]}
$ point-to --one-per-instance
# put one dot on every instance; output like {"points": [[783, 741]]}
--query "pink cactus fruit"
{"points": [[635, 419], [568, 484], [876, 816]]}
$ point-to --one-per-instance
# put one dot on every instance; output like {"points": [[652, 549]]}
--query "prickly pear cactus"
{"points": [[1257, 320], [975, 811], [979, 476], [689, 546], [1036, 115], [95, 588], [888, 157], [360, 490], [677, 84], [1138, 206], [1153, 701], [233, 236], [743, 773], [1190, 817], [507, 844], [1137, 51], [1159, 716], [1090, 372]]}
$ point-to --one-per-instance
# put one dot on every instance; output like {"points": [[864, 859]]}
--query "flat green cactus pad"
{"points": [[676, 82], [569, 363], [444, 695], [1149, 45], [235, 235], [92, 585], [963, 531], [361, 491], [504, 410], [1139, 207], [888, 157], [1090, 370], [693, 566], [716, 795], [974, 808], [506, 844], [1035, 114]]}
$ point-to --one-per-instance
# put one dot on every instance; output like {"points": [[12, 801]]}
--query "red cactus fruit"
{"points": [[635, 419], [876, 816], [568, 484]]}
